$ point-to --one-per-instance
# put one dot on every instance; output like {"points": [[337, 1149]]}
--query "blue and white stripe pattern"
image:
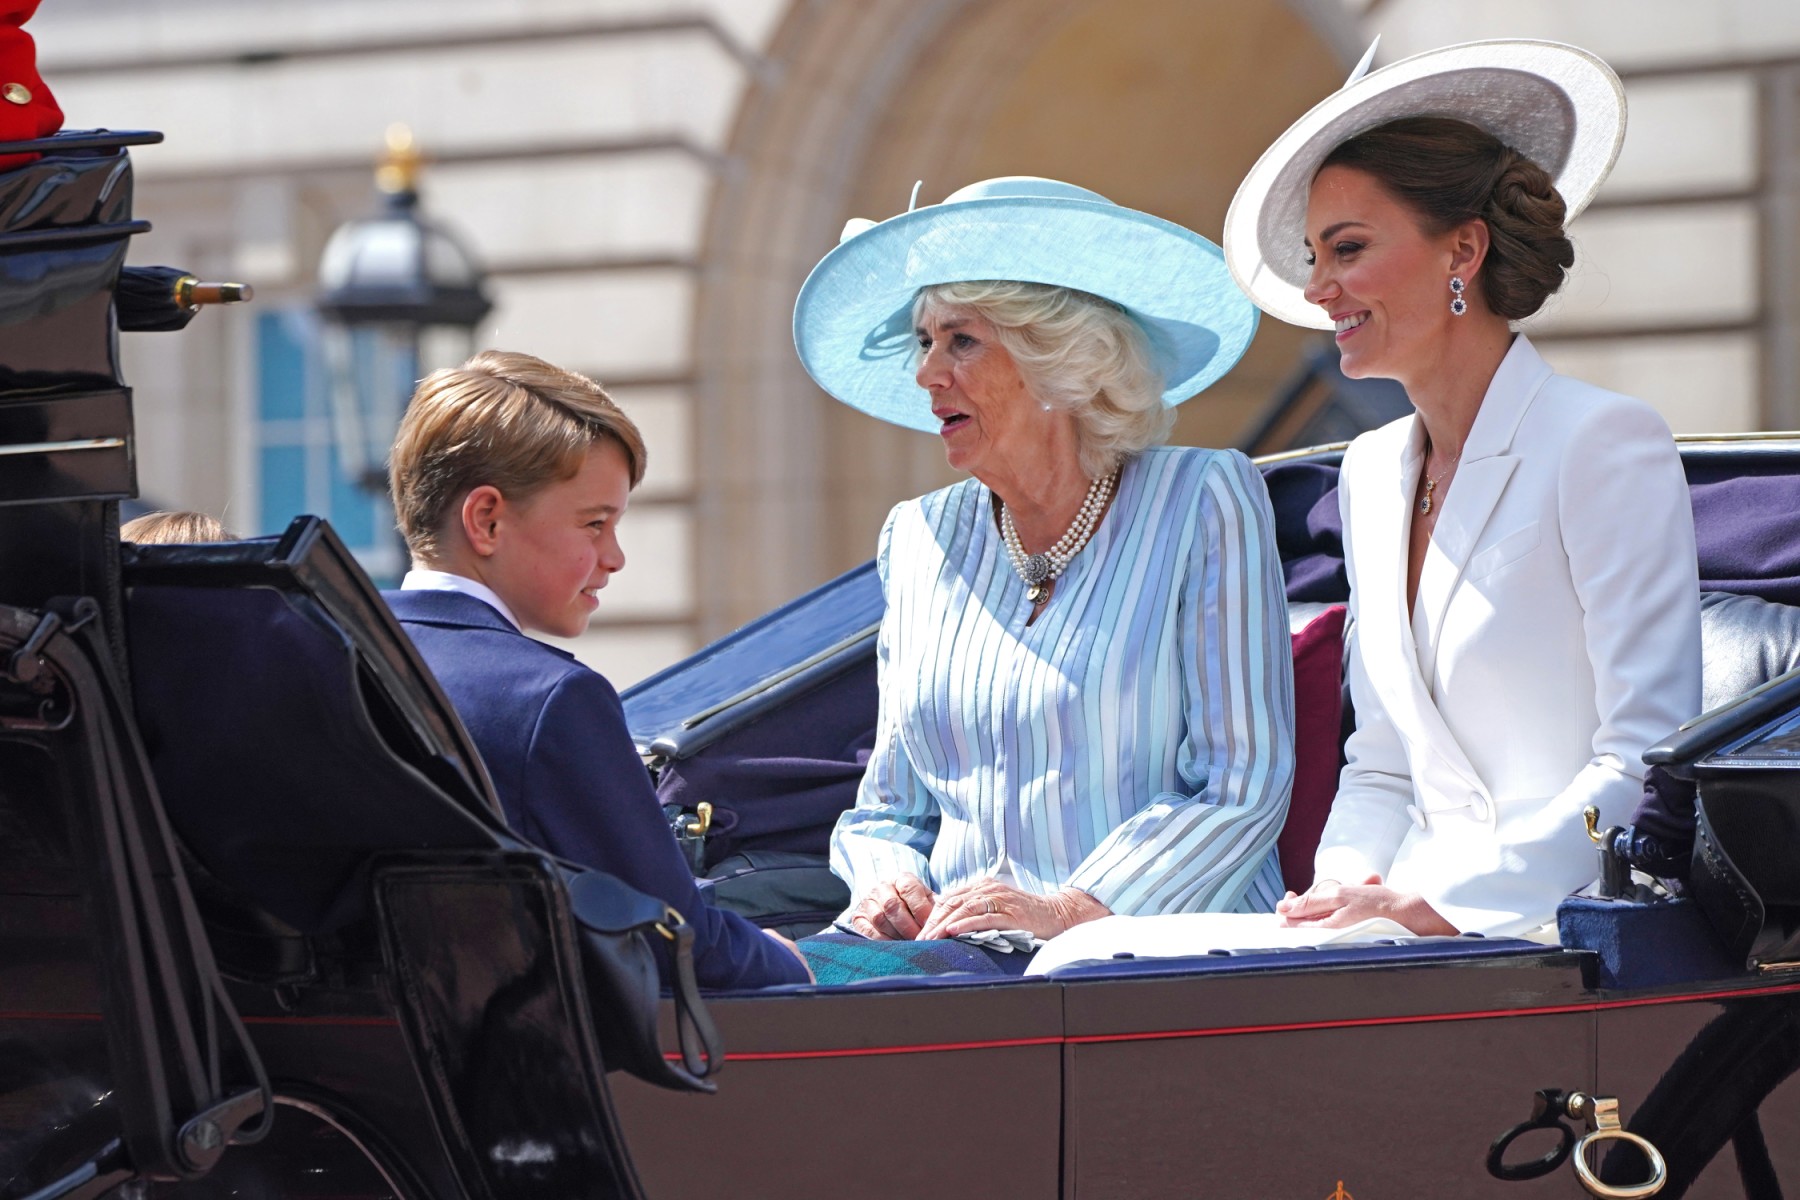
{"points": [[1136, 742]]}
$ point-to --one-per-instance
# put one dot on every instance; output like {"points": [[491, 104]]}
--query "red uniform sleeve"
{"points": [[27, 109]]}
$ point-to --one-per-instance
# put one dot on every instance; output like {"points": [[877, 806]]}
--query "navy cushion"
{"points": [[1309, 535], [1644, 945], [1743, 520]]}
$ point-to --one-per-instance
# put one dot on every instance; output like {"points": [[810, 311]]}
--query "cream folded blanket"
{"points": [[1184, 934]]}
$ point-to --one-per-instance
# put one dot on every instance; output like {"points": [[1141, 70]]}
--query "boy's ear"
{"points": [[481, 511]]}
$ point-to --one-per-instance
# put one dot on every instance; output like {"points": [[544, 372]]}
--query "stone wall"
{"points": [[649, 180]]}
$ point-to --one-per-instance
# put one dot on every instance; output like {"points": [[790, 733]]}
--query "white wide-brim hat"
{"points": [[853, 321], [1558, 105]]}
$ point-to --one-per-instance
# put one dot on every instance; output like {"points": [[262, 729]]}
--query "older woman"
{"points": [[1085, 677], [1520, 549]]}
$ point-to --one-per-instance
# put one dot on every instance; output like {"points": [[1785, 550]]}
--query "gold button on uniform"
{"points": [[16, 93]]}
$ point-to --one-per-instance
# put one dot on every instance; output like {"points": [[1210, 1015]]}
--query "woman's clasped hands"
{"points": [[1328, 904], [905, 909]]}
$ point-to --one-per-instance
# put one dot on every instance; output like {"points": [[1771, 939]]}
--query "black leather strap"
{"points": [[702, 1054], [1548, 1108], [624, 984]]}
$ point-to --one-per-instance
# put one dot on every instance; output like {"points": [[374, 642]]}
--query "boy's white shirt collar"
{"points": [[418, 580]]}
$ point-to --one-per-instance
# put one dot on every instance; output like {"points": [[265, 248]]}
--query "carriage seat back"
{"points": [[293, 736], [1745, 641]]}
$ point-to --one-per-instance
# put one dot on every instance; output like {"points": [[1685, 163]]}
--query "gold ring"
{"points": [[987, 907], [1659, 1170]]}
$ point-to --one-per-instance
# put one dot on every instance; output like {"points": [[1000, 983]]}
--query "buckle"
{"points": [[672, 920]]}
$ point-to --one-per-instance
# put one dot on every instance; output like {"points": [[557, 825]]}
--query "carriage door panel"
{"points": [[1714, 1085], [942, 1091], [1382, 1082]]}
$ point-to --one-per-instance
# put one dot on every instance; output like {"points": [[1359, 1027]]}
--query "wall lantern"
{"points": [[400, 295]]}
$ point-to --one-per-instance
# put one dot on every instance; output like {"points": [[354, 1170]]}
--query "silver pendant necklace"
{"points": [[1040, 571]]}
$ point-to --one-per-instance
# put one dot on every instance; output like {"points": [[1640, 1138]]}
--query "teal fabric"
{"points": [[838, 958], [853, 320]]}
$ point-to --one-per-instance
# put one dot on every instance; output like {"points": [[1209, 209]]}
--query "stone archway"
{"points": [[1159, 104]]}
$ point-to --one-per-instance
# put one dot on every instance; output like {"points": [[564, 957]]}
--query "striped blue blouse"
{"points": [[1136, 742]]}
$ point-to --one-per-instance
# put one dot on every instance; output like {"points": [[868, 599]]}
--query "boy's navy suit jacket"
{"points": [[553, 735]]}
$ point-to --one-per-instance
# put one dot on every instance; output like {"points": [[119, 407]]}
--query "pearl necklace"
{"points": [[1040, 571]]}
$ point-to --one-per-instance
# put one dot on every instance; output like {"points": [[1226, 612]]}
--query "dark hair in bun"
{"points": [[1449, 172]]}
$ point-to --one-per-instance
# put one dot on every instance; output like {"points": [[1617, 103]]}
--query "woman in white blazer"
{"points": [[1521, 549]]}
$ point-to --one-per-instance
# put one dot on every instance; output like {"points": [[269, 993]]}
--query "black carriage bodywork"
{"points": [[1389, 1070], [222, 986], [412, 1010]]}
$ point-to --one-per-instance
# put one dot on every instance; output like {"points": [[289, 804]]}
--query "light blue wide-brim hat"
{"points": [[853, 321]]}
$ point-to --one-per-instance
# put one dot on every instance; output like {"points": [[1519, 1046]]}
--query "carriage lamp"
{"points": [[399, 294], [164, 299]]}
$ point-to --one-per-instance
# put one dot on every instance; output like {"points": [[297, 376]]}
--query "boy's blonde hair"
{"points": [[174, 528], [503, 419]]}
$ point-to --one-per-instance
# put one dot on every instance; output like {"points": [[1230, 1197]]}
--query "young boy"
{"points": [[174, 528], [509, 479]]}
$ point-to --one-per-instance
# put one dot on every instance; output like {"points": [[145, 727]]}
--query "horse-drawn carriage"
{"points": [[263, 931]]}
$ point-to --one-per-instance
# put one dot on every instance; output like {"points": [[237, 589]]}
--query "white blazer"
{"points": [[1561, 638]]}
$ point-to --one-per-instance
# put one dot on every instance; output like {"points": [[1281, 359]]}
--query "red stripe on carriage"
{"points": [[1088, 1039], [1233, 1030]]}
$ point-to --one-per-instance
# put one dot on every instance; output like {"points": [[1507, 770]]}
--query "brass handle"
{"points": [[192, 293], [1602, 1113], [1549, 1109], [1591, 815], [703, 819]]}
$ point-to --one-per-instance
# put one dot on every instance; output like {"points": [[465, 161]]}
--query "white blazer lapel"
{"points": [[1381, 513], [1442, 772], [1473, 494], [1476, 488], [1383, 499]]}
